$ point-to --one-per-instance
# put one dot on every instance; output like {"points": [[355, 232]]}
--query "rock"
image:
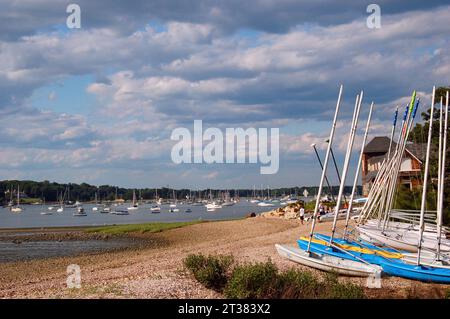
{"points": [[291, 215]]}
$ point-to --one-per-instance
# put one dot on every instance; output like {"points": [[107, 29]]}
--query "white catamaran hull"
{"points": [[406, 241], [327, 263]]}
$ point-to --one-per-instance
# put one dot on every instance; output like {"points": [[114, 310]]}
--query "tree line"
{"points": [[52, 191]]}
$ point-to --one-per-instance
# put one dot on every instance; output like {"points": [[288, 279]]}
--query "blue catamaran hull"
{"points": [[393, 267]]}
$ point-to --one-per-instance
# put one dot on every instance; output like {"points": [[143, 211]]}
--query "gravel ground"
{"points": [[156, 271]]}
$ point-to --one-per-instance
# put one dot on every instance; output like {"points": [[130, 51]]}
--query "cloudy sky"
{"points": [[98, 104]]}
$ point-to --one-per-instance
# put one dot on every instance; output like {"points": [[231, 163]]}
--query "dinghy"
{"points": [[327, 263], [155, 209], [80, 212], [120, 212]]}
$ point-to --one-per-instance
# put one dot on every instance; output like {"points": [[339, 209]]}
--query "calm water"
{"points": [[31, 217], [28, 250]]}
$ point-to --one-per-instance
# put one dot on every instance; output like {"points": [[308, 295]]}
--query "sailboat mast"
{"points": [[425, 179], [18, 194], [441, 181], [333, 128], [384, 191], [413, 106], [347, 160], [355, 181], [394, 124], [439, 158]]}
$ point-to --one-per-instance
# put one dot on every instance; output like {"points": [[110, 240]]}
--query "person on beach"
{"points": [[302, 214], [318, 216], [321, 210]]}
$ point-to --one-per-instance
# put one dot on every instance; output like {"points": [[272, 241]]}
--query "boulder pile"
{"points": [[291, 211]]}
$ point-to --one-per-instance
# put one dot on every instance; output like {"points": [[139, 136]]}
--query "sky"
{"points": [[98, 104]]}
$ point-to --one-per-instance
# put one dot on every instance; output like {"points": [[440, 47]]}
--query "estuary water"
{"points": [[31, 216]]}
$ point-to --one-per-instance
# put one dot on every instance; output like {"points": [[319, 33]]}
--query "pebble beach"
{"points": [[154, 268]]}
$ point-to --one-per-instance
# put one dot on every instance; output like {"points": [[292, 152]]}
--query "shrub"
{"points": [[295, 284], [252, 281], [264, 280], [337, 290], [211, 271], [346, 290]]}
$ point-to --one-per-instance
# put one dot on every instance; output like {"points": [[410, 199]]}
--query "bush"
{"points": [[337, 290], [252, 281], [264, 280], [296, 284], [211, 271]]}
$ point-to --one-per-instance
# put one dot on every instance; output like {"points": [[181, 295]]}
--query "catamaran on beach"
{"points": [[409, 244]]}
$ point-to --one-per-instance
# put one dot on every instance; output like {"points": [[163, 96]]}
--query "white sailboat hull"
{"points": [[228, 204], [407, 240], [327, 263], [265, 204]]}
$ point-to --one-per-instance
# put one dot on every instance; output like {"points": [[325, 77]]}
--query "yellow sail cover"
{"points": [[357, 249]]}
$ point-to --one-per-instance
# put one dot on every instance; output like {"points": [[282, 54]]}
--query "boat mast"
{"points": [[413, 105], [394, 124], [425, 178], [313, 145], [392, 176], [18, 195], [355, 181], [384, 191], [348, 154], [327, 155], [439, 163], [441, 180]]}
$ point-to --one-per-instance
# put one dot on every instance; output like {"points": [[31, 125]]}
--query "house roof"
{"points": [[380, 145], [376, 159]]}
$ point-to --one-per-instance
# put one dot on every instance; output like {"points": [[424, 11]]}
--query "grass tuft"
{"points": [[139, 228], [210, 271]]}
